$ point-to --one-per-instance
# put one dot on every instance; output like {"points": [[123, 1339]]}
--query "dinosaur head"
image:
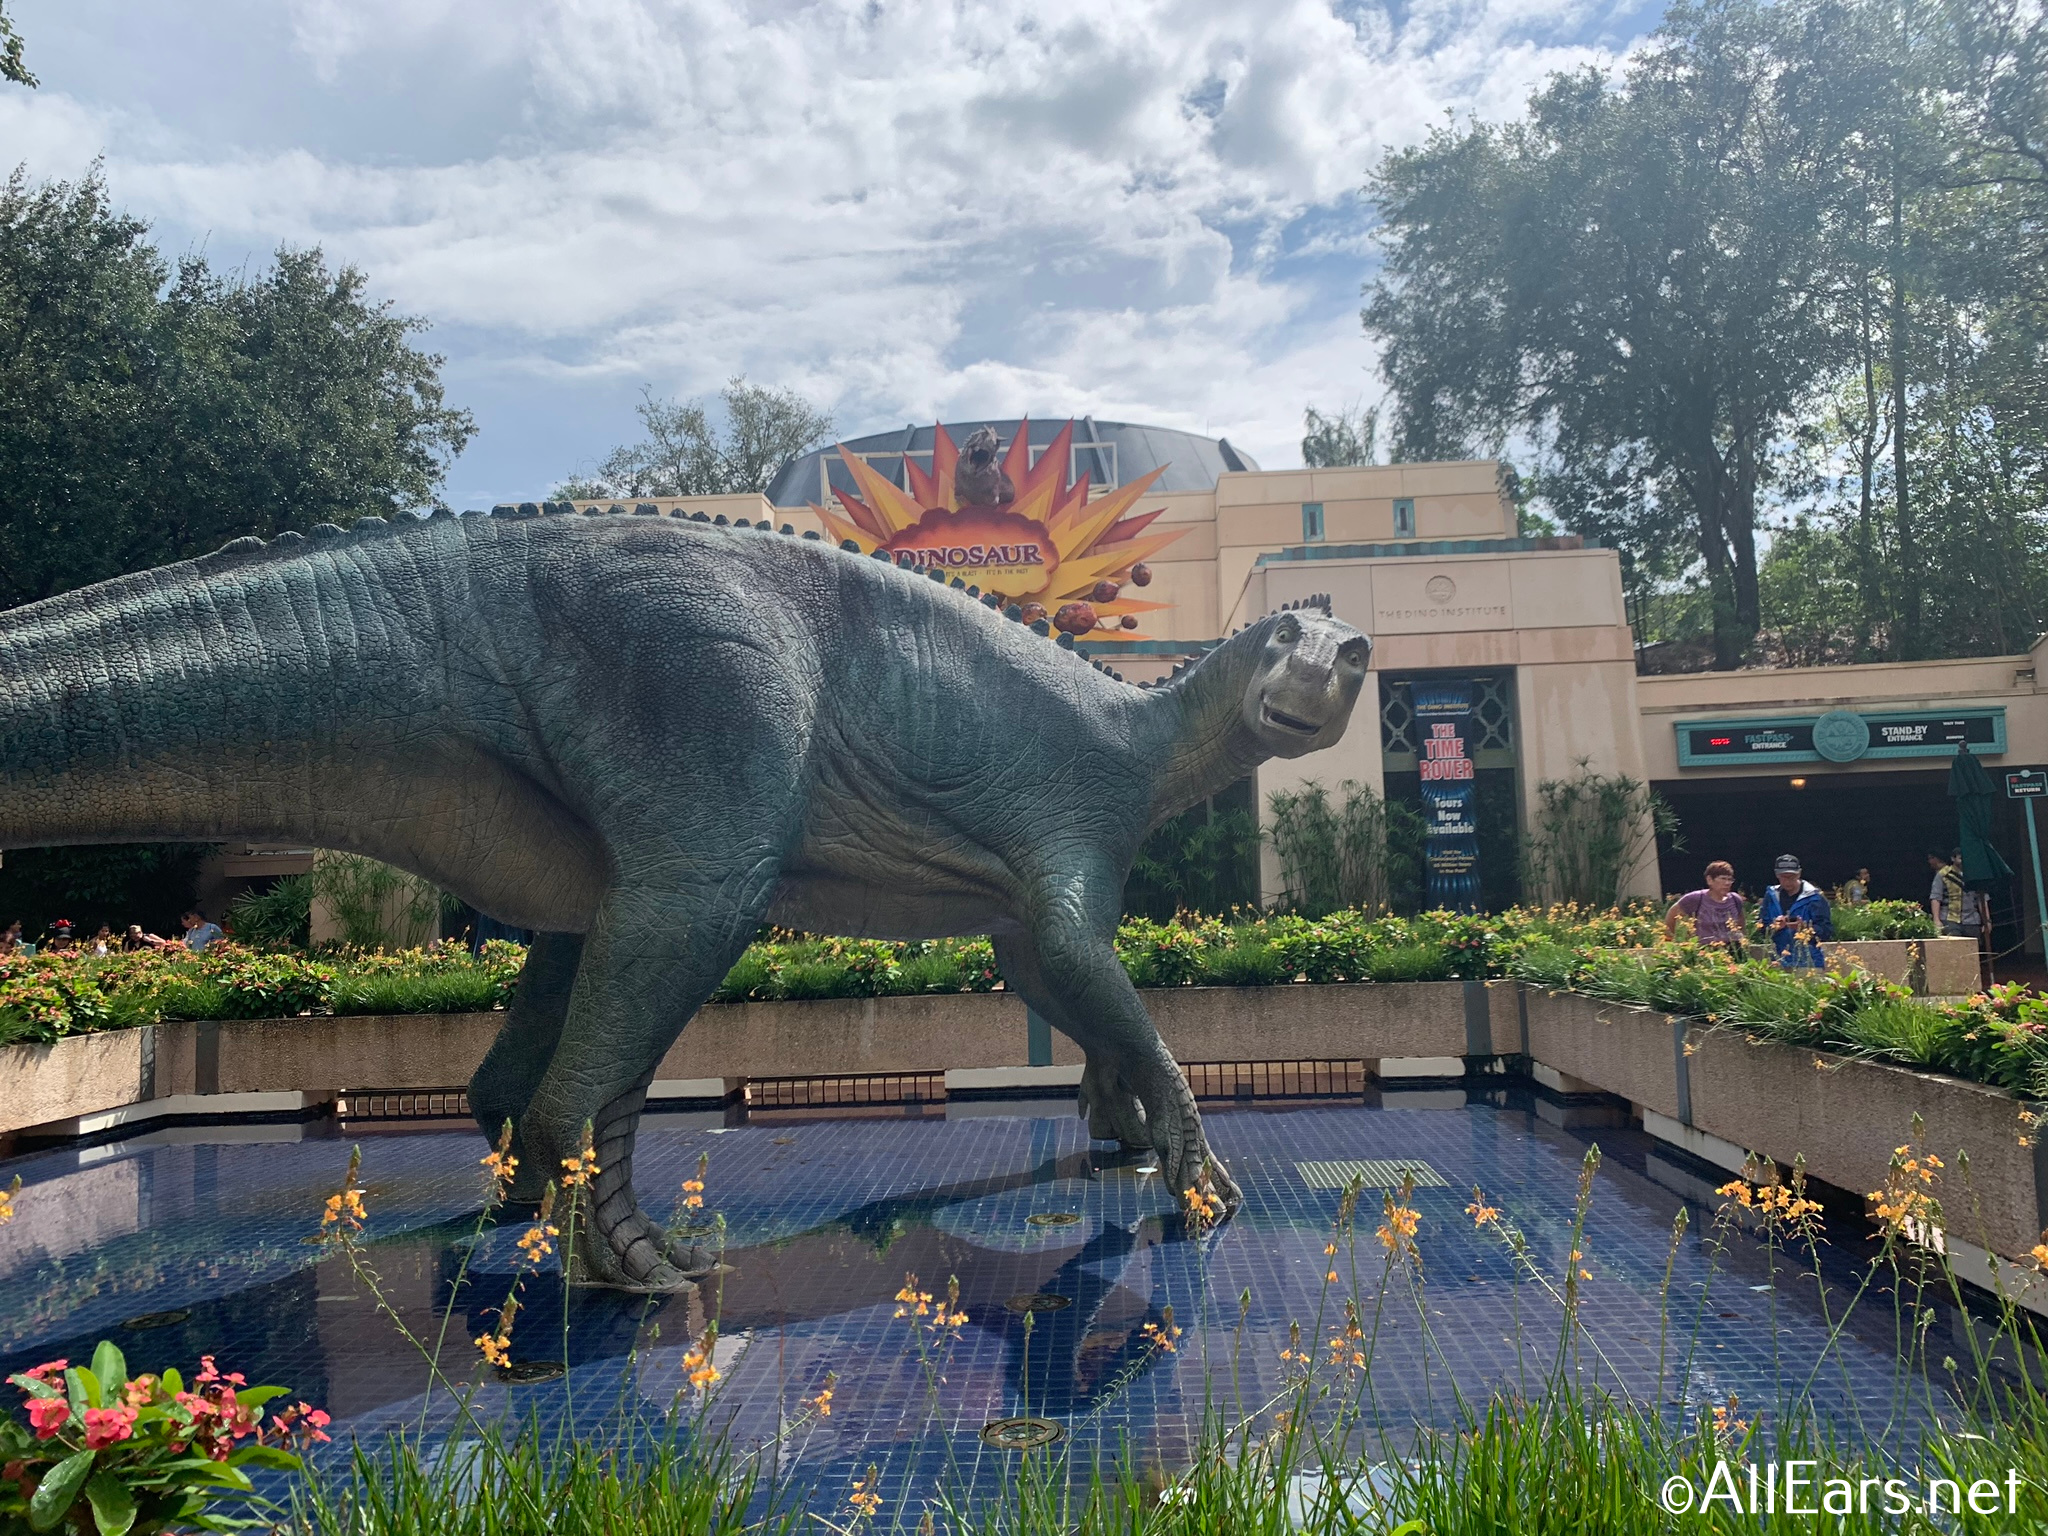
{"points": [[1307, 670], [981, 446]]}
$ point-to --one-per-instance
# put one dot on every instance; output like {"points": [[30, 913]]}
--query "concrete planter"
{"points": [[1721, 1095], [1416, 1027], [1931, 967], [1712, 1092], [75, 1076]]}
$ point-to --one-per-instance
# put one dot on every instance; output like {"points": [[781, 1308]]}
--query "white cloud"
{"points": [[904, 207]]}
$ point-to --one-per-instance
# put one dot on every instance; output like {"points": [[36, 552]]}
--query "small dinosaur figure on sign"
{"points": [[979, 480], [643, 737]]}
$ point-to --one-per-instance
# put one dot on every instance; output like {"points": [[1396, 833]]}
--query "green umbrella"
{"points": [[1973, 792]]}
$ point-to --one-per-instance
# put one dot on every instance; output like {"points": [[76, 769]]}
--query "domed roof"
{"points": [[1110, 453]]}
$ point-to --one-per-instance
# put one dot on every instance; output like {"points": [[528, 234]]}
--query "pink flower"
{"points": [[104, 1426], [47, 1415], [43, 1373]]}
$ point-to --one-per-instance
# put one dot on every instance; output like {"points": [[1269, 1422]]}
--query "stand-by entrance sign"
{"points": [[2031, 784]]}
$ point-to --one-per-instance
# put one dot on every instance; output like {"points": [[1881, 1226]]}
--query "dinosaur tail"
{"points": [[185, 703]]}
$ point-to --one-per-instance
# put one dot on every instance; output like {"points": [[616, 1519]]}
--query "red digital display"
{"points": [[1720, 741]]}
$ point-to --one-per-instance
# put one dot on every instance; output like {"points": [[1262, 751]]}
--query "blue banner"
{"points": [[1443, 723]]}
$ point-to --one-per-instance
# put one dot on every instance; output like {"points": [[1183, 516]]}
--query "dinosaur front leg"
{"points": [[1108, 1104], [518, 1059], [647, 964], [1080, 968]]}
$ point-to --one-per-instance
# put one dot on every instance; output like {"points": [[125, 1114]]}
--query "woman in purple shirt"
{"points": [[1715, 912]]}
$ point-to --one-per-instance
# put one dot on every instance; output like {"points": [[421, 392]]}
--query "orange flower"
{"points": [[500, 1164], [865, 1499], [1397, 1232], [344, 1213], [698, 1363], [1161, 1336]]}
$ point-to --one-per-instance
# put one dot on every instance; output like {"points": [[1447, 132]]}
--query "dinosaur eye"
{"points": [[1353, 655], [1287, 632]]}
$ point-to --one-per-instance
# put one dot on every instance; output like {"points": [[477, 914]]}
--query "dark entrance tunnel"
{"points": [[1885, 821]]}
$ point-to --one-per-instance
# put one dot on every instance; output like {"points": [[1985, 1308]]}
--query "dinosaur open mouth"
{"points": [[1289, 722]]}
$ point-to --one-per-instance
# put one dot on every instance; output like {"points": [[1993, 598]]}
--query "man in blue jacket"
{"points": [[1796, 917]]}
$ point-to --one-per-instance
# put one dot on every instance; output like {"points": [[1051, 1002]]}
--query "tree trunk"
{"points": [[1720, 547], [1908, 644], [1867, 596]]}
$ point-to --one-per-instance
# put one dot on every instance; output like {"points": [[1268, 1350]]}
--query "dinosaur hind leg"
{"points": [[648, 962], [505, 1082], [1078, 965], [1112, 1110]]}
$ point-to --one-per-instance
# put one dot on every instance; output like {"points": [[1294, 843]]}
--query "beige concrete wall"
{"points": [[1847, 1116], [74, 1076], [1555, 616], [2012, 681], [1576, 718], [1843, 1116], [1459, 500]]}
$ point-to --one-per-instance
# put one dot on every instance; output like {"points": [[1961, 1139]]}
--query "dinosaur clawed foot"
{"points": [[633, 1254], [1173, 1128], [1112, 1110]]}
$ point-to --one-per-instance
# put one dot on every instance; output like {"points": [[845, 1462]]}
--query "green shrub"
{"points": [[1249, 963], [429, 992], [281, 915], [936, 970], [1900, 1029], [1332, 948], [749, 978], [194, 997], [1883, 920], [810, 980], [1413, 961]]}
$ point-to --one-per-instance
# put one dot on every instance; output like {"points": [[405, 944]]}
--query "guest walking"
{"points": [[1714, 911], [1796, 917]]}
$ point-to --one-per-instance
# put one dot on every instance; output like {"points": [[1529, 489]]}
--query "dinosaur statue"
{"points": [[979, 480], [642, 737]]}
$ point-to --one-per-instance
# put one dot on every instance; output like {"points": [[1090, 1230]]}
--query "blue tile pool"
{"points": [[195, 1240]]}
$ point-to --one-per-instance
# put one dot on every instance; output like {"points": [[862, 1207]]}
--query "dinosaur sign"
{"points": [[985, 512]]}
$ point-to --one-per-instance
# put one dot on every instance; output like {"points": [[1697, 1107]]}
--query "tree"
{"points": [[1631, 278], [150, 414], [11, 66], [1334, 441], [685, 455]]}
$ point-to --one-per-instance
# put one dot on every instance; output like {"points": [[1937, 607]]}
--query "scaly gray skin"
{"points": [[642, 737]]}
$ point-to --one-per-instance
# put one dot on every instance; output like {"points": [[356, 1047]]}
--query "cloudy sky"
{"points": [[906, 209]]}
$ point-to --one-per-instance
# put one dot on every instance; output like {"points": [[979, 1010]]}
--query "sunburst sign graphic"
{"points": [[1027, 534]]}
